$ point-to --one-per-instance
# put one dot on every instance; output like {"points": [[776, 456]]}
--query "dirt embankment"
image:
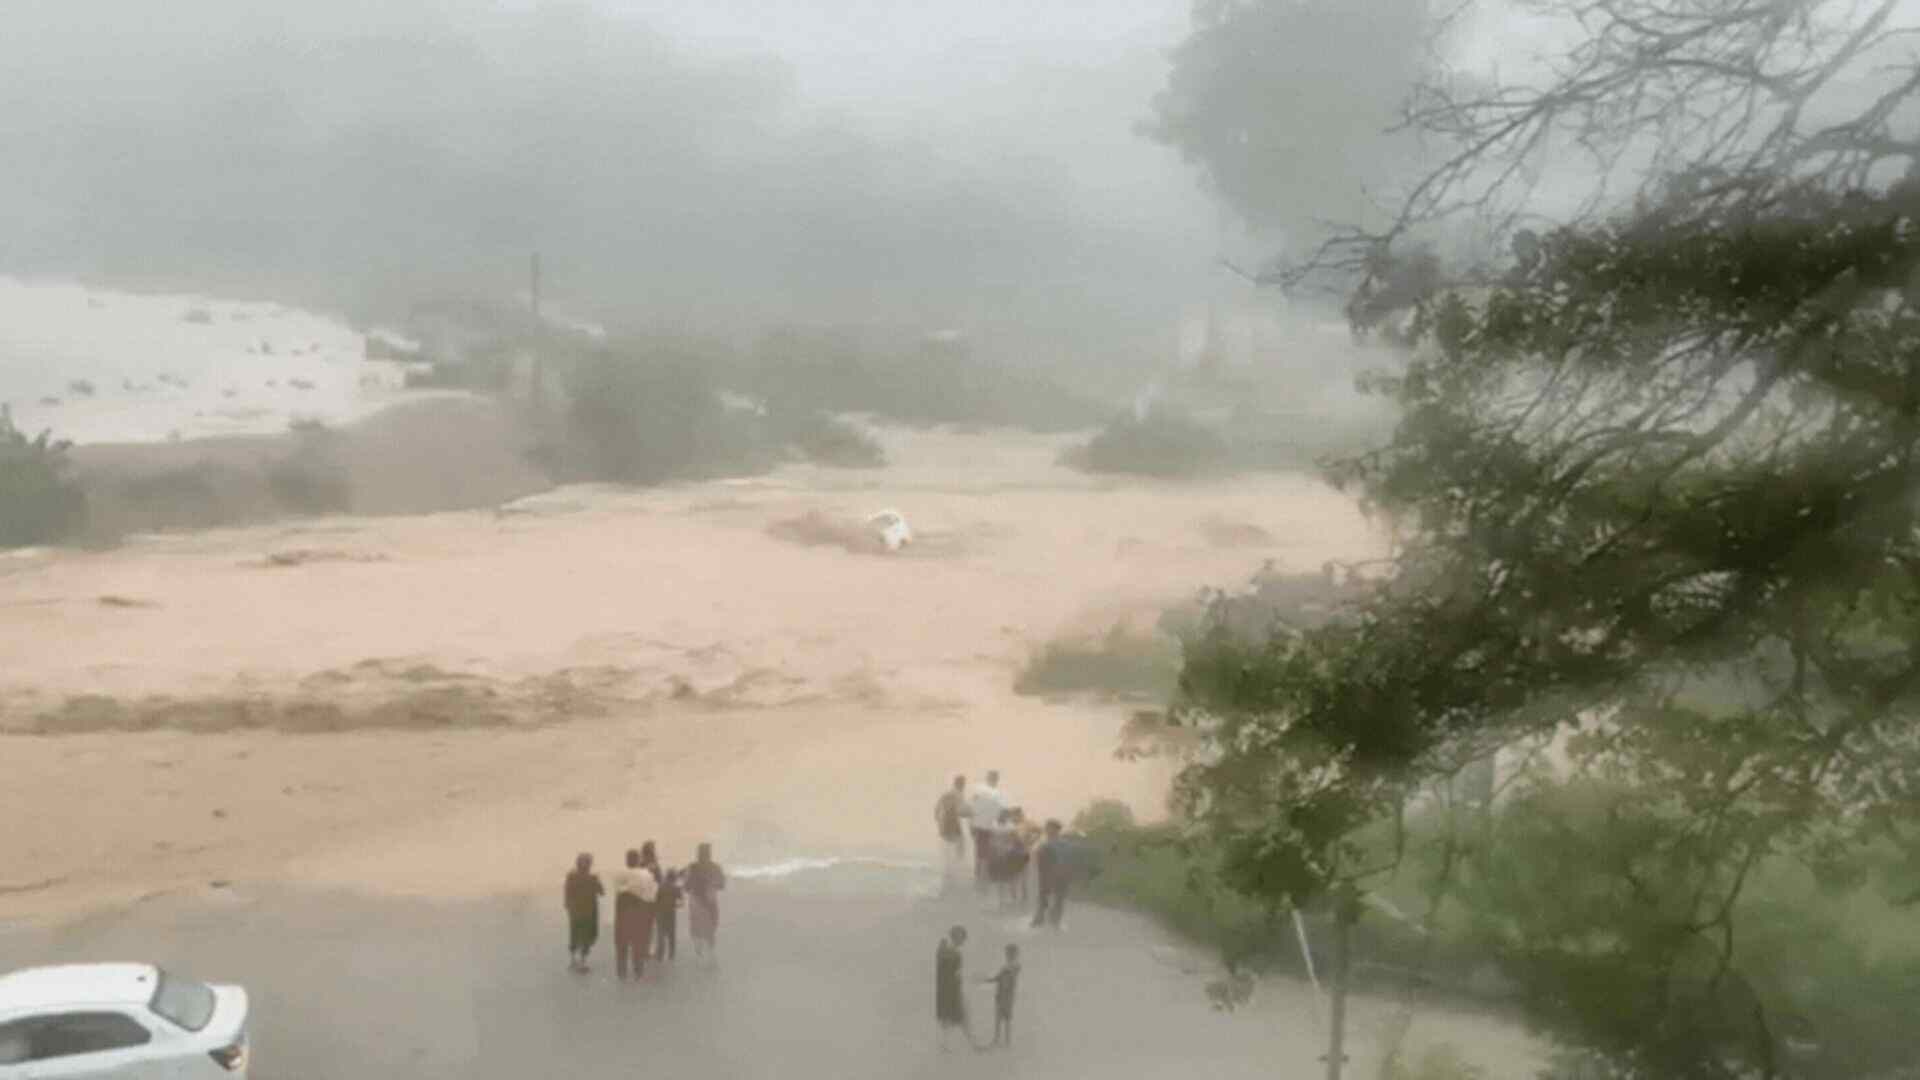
{"points": [[454, 452]]}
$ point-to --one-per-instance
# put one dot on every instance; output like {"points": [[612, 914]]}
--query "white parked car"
{"points": [[893, 529], [123, 1021]]}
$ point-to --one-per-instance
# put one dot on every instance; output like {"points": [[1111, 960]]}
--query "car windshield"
{"points": [[183, 1001]]}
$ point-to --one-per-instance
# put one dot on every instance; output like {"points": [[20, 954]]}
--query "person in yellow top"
{"points": [[1030, 835]]}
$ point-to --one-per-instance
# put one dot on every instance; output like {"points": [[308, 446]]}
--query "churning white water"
{"points": [[93, 365]]}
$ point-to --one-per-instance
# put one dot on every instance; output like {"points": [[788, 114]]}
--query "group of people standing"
{"points": [[1005, 843], [646, 908]]}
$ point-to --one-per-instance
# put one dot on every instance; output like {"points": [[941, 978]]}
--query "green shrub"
{"points": [[40, 502], [1104, 818], [1153, 869], [1122, 664], [652, 413]]}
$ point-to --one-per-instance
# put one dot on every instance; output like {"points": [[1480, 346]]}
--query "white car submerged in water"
{"points": [[124, 1021], [892, 528]]}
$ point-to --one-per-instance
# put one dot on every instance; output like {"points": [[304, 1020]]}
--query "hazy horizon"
{"points": [[726, 166]]}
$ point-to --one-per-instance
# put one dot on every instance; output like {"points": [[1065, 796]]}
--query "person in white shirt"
{"points": [[635, 888], [984, 804]]}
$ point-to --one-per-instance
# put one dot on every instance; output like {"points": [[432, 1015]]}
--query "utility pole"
{"points": [[1346, 912], [539, 388]]}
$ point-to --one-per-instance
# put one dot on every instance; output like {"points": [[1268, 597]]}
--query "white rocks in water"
{"points": [[893, 529]]}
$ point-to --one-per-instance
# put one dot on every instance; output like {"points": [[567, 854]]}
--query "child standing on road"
{"points": [[1004, 982], [666, 919]]}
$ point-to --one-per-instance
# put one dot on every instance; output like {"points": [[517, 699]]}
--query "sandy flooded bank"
{"points": [[433, 703]]}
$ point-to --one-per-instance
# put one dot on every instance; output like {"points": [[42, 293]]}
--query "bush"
{"points": [[40, 503], [652, 413], [1104, 818], [1152, 869], [1821, 976], [1163, 444], [1123, 664]]}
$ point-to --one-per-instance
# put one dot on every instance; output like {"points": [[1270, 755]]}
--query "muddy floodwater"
{"points": [[346, 761]]}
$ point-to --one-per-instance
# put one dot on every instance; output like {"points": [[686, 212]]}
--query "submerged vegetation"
{"points": [[1123, 663], [40, 502]]}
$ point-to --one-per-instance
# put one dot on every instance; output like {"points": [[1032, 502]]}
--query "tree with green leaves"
{"points": [[1283, 104], [40, 503], [1655, 481]]}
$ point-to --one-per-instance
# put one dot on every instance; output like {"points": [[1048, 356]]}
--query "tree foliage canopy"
{"points": [[39, 501], [1655, 478], [1283, 105]]}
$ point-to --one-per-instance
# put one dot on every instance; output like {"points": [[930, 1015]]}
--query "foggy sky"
{"points": [[729, 163]]}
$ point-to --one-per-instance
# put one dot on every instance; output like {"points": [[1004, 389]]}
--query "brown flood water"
{"points": [[385, 737]]}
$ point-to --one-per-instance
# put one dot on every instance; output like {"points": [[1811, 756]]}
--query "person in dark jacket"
{"points": [[581, 898], [1054, 871], [666, 918], [949, 988], [704, 881], [1005, 982]]}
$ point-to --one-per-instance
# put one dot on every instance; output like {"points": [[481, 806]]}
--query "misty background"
{"points": [[718, 167]]}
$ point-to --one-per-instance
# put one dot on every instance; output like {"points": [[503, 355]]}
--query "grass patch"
{"points": [[1123, 664], [1153, 869]]}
